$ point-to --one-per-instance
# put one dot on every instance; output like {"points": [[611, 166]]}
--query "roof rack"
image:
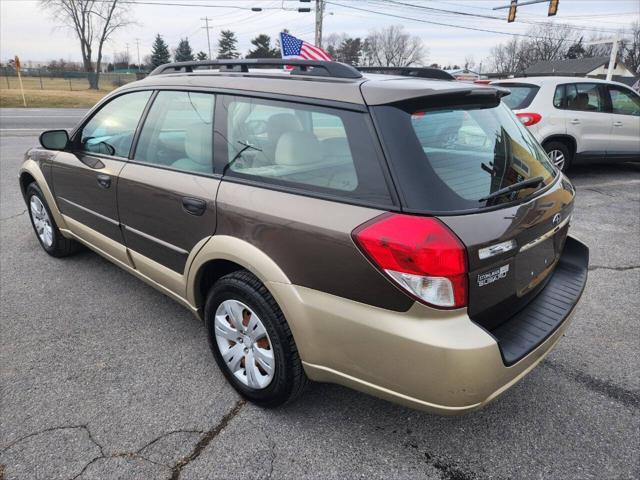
{"points": [[420, 72], [300, 67]]}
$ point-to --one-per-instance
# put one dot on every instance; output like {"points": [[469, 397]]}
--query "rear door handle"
{"points": [[617, 124], [194, 206], [103, 180], [575, 121]]}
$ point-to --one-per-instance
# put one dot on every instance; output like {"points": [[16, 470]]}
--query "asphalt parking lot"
{"points": [[102, 377]]}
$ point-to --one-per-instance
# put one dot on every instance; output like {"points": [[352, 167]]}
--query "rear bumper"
{"points": [[438, 361]]}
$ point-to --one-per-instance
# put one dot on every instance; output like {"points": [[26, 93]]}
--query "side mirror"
{"points": [[54, 139]]}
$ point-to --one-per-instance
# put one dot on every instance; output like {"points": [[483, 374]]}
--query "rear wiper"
{"points": [[528, 183]]}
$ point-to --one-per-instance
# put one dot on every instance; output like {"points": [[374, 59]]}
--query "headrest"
{"points": [[298, 148], [281, 123], [198, 143]]}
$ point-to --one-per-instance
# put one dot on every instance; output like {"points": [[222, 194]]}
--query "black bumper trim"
{"points": [[532, 325]]}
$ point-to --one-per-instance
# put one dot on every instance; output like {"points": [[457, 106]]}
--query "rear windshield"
{"points": [[521, 96], [451, 158]]}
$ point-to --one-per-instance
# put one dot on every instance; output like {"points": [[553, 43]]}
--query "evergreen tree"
{"points": [[202, 56], [262, 44], [159, 52], [227, 45], [183, 53], [349, 51]]}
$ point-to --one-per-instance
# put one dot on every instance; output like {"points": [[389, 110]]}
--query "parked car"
{"points": [[399, 235], [578, 120]]}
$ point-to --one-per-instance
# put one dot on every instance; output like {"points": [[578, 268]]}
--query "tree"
{"points": [[121, 60], [631, 49], [183, 53], [548, 41], [202, 56], [94, 23], [392, 47], [159, 52], [227, 45], [262, 48], [469, 62], [576, 50], [349, 51]]}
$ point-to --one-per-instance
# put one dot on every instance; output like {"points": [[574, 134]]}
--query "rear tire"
{"points": [[267, 387], [45, 227], [559, 154]]}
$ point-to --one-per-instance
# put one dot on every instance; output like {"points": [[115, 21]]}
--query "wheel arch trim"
{"points": [[31, 168], [562, 137], [233, 249]]}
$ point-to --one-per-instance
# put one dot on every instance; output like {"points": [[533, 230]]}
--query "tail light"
{"points": [[528, 119], [419, 254]]}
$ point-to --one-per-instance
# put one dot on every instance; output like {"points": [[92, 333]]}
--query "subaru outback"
{"points": [[401, 235]]}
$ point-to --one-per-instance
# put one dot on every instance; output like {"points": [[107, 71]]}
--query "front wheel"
{"points": [[559, 154], [45, 226], [251, 341]]}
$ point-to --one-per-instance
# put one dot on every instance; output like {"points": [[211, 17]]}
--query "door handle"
{"points": [[103, 180], [617, 124], [575, 121], [194, 206]]}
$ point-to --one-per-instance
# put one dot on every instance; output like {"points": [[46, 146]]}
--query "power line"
{"points": [[442, 24], [490, 17]]}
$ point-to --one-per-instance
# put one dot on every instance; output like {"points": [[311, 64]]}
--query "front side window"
{"points": [[452, 157], [307, 147], [584, 97], [110, 131], [178, 132], [624, 102]]}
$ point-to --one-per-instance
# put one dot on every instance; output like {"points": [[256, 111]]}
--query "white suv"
{"points": [[578, 119]]}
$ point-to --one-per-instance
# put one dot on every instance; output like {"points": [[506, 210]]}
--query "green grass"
{"points": [[51, 98]]}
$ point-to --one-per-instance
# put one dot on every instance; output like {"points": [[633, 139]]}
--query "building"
{"points": [[578, 67], [464, 74]]}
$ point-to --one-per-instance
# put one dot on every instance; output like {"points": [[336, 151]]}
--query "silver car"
{"points": [[578, 120]]}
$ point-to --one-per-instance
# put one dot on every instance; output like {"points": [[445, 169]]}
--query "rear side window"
{"points": [[521, 96], [449, 158], [624, 102], [110, 131], [584, 97], [306, 147], [178, 132]]}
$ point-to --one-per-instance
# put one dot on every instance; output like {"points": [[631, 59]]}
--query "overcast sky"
{"points": [[27, 30]]}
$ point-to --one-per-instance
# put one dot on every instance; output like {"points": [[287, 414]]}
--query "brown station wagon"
{"points": [[402, 235]]}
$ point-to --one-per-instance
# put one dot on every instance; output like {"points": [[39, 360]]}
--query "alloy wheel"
{"points": [[557, 158], [41, 221], [244, 344]]}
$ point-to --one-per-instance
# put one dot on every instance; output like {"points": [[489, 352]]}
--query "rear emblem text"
{"points": [[492, 276]]}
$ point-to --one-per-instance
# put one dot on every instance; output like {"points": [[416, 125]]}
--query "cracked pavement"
{"points": [[102, 377]]}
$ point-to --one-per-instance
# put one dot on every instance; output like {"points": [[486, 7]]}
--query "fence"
{"points": [[41, 79]]}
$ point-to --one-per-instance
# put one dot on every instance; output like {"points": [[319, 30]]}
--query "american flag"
{"points": [[292, 47]]}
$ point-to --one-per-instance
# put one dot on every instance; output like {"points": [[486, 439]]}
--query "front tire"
{"points": [[559, 154], [251, 341], [45, 227]]}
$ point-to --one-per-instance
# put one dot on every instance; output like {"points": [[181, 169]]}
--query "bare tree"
{"points": [[631, 48], [93, 22], [393, 47], [548, 41]]}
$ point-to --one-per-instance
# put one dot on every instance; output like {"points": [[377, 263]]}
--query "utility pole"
{"points": [[128, 58], [207, 28], [138, 47], [319, 17]]}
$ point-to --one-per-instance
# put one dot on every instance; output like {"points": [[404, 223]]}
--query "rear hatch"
{"points": [[464, 158]]}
